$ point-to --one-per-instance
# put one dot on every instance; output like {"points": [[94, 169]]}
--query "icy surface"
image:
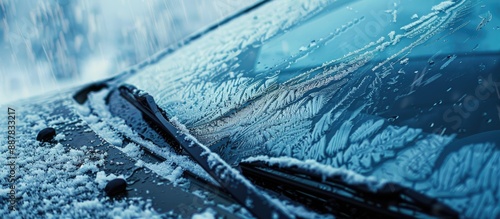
{"points": [[355, 88], [343, 96], [210, 59]]}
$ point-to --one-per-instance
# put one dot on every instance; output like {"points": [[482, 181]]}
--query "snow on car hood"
{"points": [[54, 179]]}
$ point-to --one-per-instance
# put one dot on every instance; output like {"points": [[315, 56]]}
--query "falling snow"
{"points": [[52, 45], [355, 113]]}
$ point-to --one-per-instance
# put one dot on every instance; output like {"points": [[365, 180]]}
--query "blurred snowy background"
{"points": [[48, 45]]}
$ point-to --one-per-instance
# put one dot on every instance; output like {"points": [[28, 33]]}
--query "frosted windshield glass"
{"points": [[402, 91]]}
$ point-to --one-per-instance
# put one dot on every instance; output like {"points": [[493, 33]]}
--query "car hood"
{"points": [[66, 176]]}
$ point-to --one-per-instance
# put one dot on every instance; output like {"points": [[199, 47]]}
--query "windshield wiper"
{"points": [[238, 187], [333, 195]]}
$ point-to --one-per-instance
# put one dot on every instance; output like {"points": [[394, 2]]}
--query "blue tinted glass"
{"points": [[404, 91]]}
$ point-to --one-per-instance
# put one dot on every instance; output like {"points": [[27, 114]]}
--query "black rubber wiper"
{"points": [[238, 187], [333, 195]]}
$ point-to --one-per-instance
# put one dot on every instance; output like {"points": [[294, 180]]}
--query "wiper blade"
{"points": [[238, 187], [334, 195]]}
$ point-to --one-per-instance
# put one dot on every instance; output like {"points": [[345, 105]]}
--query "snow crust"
{"points": [[53, 179], [113, 128], [348, 176], [207, 214], [442, 6]]}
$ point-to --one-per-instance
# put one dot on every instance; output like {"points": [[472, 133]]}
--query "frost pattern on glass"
{"points": [[468, 178], [460, 175], [340, 112], [205, 80], [366, 130]]}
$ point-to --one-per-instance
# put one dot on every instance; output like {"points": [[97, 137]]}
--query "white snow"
{"points": [[54, 180], [207, 214], [111, 128], [314, 115], [442, 6], [59, 136], [174, 175], [404, 61], [132, 150], [322, 169], [102, 178], [394, 16], [391, 35]]}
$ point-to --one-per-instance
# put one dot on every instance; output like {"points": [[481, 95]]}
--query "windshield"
{"points": [[401, 90]]}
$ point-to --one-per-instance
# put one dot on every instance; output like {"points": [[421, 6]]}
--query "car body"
{"points": [[371, 93]]}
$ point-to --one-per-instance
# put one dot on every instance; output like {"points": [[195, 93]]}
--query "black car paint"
{"points": [[142, 182]]}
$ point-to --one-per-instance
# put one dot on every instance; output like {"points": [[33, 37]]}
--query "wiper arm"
{"points": [[332, 194], [241, 189]]}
